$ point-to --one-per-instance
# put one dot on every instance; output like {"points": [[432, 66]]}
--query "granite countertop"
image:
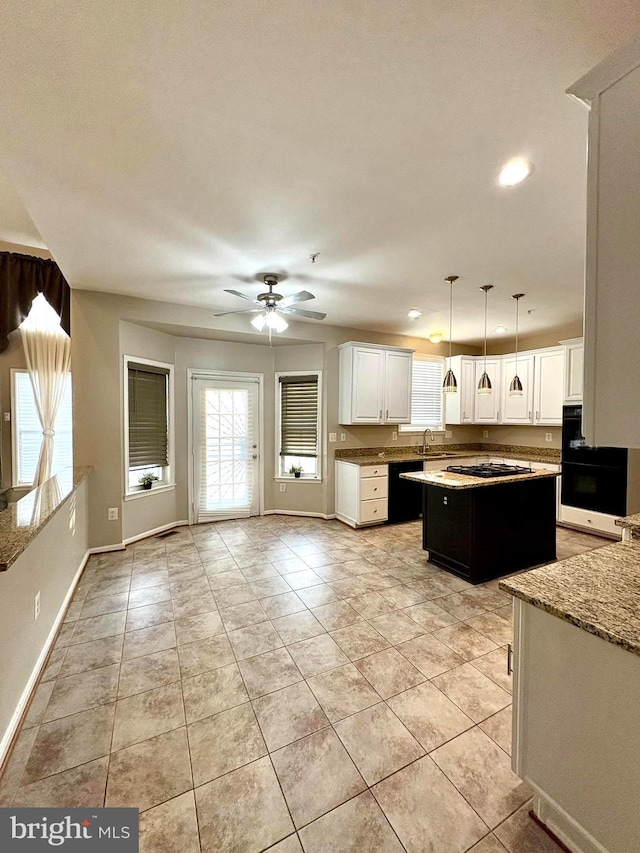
{"points": [[449, 480], [21, 521], [443, 452], [630, 522], [598, 591]]}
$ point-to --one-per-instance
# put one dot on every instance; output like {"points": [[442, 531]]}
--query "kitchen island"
{"points": [[481, 529]]}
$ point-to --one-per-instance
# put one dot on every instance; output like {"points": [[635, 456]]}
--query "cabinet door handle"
{"points": [[380, 415], [386, 417], [509, 658], [529, 414], [537, 415]]}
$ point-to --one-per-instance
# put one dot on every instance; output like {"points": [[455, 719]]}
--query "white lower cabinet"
{"points": [[575, 731], [361, 493], [595, 522]]}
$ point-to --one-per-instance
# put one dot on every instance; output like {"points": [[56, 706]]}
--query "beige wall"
{"points": [[528, 436], [506, 345]]}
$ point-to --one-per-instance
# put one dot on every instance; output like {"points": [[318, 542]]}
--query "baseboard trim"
{"points": [[296, 512], [23, 703], [149, 533], [559, 822], [104, 549]]}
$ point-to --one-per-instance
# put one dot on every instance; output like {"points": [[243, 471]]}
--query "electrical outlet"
{"points": [[448, 433], [394, 435], [283, 487], [112, 513], [548, 436], [332, 436], [36, 606], [343, 436], [485, 433], [7, 416]]}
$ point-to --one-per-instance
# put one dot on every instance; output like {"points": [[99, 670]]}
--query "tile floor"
{"points": [[285, 684]]}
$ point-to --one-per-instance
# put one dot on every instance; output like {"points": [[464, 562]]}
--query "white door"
{"points": [[226, 453]]}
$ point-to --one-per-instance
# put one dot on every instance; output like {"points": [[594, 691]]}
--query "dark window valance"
{"points": [[22, 278]]}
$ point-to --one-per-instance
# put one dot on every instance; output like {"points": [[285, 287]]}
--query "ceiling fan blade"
{"points": [[242, 296], [241, 311], [302, 296], [302, 312]]}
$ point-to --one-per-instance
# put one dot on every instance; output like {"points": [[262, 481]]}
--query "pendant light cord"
{"points": [[517, 317], [486, 293], [450, 318]]}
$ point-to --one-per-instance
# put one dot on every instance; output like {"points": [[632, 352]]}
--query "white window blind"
{"points": [[299, 416], [28, 431], [148, 416], [426, 393]]}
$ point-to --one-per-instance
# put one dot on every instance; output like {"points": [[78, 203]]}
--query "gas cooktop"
{"points": [[490, 469]]}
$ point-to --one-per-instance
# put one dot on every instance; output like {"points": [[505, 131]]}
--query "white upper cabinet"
{"points": [[573, 370], [460, 406], [612, 306], [548, 387], [487, 406], [517, 410], [375, 384]]}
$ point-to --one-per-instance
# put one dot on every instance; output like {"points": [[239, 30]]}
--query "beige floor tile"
{"points": [[288, 845], [151, 772], [336, 614], [430, 717], [302, 579], [115, 586], [224, 742], [426, 811], [270, 586], [83, 691], [268, 672], [342, 691], [498, 727], [489, 597], [465, 641], [316, 596], [243, 811], [430, 616], [65, 635], [289, 714], [389, 672], [402, 596], [254, 640], [397, 627], [76, 788], [429, 655], [461, 605], [92, 655], [69, 742], [317, 655], [331, 573], [148, 640], [371, 604], [489, 844], [348, 587], [104, 604], [316, 775], [38, 704], [149, 615], [232, 595], [142, 580], [377, 742], [358, 825], [290, 565], [149, 595], [282, 605], [494, 665], [171, 827], [198, 657], [472, 692], [54, 665], [223, 580], [198, 627], [481, 771], [148, 714], [15, 764], [493, 626], [298, 626], [145, 673], [193, 605], [431, 587], [98, 626], [243, 615], [521, 834], [359, 640], [192, 582], [212, 692]]}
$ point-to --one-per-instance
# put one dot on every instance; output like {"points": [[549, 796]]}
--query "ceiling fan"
{"points": [[272, 305]]}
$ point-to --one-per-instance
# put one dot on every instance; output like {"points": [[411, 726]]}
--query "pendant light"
{"points": [[484, 385], [450, 384], [515, 388]]}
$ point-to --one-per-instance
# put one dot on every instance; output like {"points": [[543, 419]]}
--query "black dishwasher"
{"points": [[405, 496]]}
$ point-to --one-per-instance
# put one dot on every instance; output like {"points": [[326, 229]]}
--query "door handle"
{"points": [[254, 456], [509, 658]]}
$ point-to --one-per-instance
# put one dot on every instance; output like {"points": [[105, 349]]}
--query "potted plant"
{"points": [[147, 480], [296, 470]]}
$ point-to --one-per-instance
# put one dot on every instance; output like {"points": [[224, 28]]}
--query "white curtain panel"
{"points": [[48, 355]]}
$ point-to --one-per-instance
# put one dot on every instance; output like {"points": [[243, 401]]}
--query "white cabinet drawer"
{"points": [[374, 471], [375, 510], [596, 521], [373, 487]]}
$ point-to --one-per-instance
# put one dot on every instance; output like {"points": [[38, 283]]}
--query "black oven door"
{"points": [[598, 488]]}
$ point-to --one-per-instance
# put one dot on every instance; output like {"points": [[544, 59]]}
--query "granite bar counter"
{"points": [[21, 521], [380, 455], [450, 480]]}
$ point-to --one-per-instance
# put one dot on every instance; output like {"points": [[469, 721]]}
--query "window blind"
{"points": [[426, 393], [148, 420], [299, 416]]}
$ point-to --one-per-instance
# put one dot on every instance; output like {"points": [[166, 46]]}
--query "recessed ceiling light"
{"points": [[514, 172], [414, 313], [500, 330], [436, 337]]}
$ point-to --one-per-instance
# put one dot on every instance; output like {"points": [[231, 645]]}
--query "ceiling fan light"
{"points": [[276, 322], [484, 385], [450, 384], [259, 322], [515, 388]]}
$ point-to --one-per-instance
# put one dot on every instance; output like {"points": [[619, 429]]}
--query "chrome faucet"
{"points": [[424, 439]]}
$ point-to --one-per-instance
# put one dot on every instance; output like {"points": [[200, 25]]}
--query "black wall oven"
{"points": [[593, 478]]}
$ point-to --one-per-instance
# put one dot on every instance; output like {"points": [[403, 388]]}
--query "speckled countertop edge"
{"points": [[630, 522], [372, 455], [449, 480], [598, 591], [39, 506]]}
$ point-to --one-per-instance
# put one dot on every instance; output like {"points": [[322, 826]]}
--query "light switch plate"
{"points": [[485, 433], [283, 487], [394, 435], [112, 513], [448, 433], [7, 416], [548, 436], [332, 436]]}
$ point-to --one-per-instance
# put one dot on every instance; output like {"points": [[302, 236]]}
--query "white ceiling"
{"points": [[171, 149]]}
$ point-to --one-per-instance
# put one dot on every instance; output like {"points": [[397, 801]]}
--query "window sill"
{"points": [[154, 490], [288, 478]]}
